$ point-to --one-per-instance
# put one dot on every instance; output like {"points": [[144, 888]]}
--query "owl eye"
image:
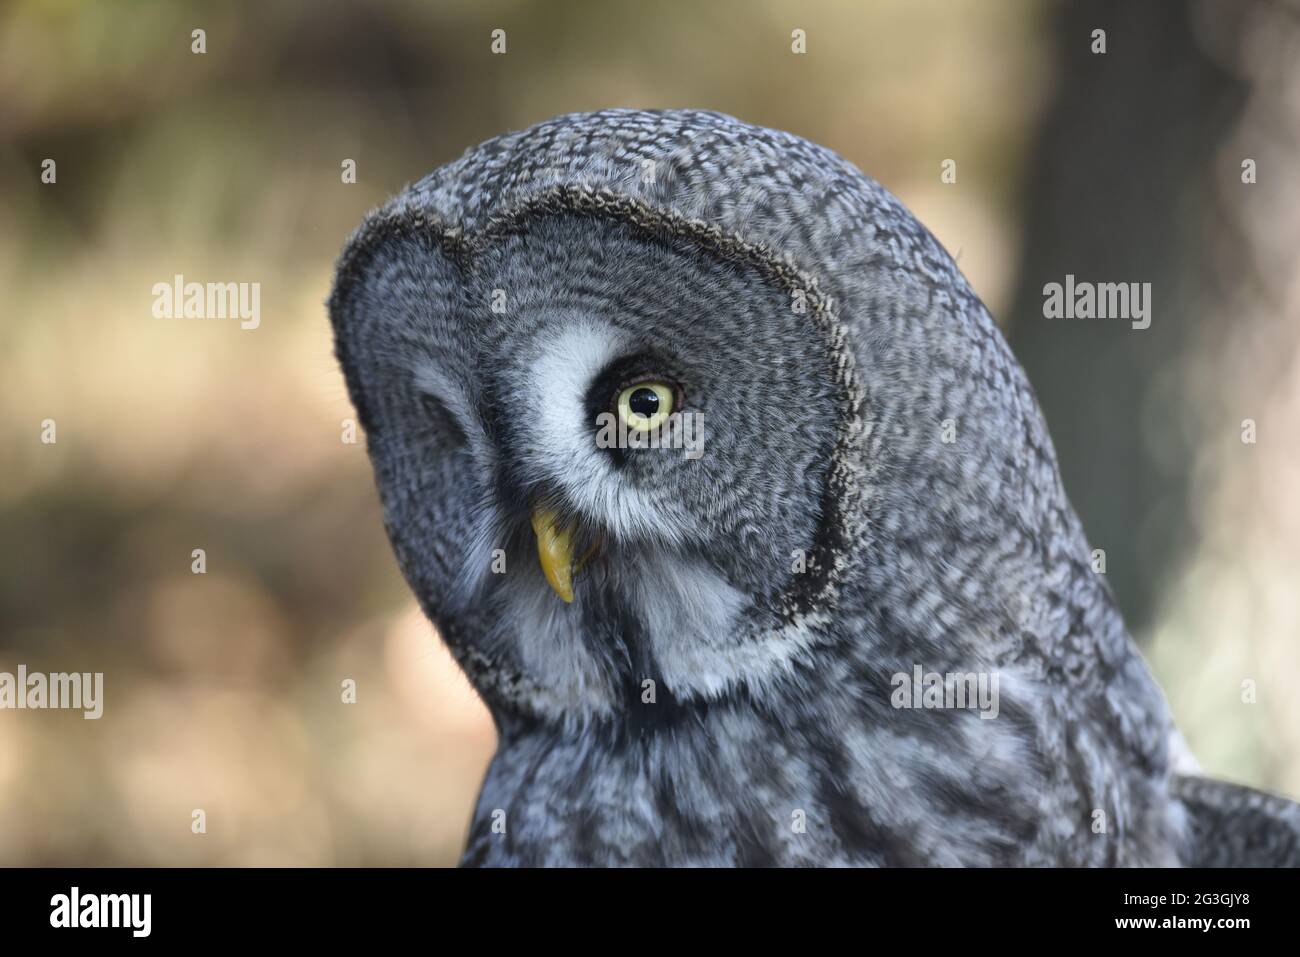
{"points": [[645, 406]]}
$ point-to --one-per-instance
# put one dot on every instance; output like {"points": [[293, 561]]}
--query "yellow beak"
{"points": [[555, 552]]}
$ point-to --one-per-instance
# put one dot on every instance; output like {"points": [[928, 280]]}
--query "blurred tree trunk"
{"points": [[1122, 187]]}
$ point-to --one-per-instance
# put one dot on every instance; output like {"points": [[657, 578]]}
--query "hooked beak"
{"points": [[555, 552]]}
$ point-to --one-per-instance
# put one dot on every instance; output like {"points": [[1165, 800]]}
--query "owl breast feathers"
{"points": [[728, 496]]}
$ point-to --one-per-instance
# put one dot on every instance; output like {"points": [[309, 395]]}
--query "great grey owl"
{"points": [[719, 647]]}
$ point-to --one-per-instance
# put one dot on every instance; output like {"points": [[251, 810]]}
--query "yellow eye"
{"points": [[645, 406]]}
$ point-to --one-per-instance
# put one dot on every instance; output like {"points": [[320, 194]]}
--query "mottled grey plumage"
{"points": [[685, 243]]}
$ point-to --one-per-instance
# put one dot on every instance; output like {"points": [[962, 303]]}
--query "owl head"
{"points": [[659, 403]]}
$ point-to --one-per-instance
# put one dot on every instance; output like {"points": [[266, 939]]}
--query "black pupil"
{"points": [[644, 402]]}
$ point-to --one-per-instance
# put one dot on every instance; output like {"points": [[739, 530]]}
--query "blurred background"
{"points": [[223, 690]]}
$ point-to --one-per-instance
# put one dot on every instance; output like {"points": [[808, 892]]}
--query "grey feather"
{"points": [[878, 492]]}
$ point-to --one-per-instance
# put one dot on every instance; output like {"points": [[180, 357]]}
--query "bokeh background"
{"points": [[223, 690]]}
